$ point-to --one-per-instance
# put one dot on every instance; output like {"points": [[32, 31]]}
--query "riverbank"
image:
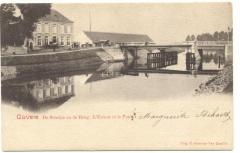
{"points": [[62, 61], [53, 62], [50, 57], [46, 56], [35, 70], [221, 83]]}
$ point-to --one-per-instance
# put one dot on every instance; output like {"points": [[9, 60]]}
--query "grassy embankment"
{"points": [[13, 66], [221, 83]]}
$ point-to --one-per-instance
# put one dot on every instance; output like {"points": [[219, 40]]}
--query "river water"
{"points": [[108, 83]]}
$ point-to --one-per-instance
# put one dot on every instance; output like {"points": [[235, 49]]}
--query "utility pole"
{"points": [[90, 20]]}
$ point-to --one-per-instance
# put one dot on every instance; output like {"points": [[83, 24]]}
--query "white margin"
{"points": [[236, 57]]}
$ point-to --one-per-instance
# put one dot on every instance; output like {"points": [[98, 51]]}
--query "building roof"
{"points": [[117, 37], [56, 17]]}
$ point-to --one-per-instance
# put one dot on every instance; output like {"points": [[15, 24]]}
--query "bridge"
{"points": [[161, 56], [190, 46]]}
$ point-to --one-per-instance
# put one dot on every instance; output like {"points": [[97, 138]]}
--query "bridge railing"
{"points": [[209, 43], [161, 59]]}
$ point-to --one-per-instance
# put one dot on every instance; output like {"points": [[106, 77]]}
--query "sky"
{"points": [[163, 22]]}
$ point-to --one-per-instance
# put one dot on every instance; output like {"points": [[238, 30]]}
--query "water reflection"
{"points": [[39, 94], [213, 60], [176, 60], [51, 91], [107, 71]]}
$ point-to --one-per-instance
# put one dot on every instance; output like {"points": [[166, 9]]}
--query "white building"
{"points": [[53, 28]]}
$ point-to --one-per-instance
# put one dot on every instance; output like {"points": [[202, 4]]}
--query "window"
{"points": [[44, 93], [46, 40], [39, 28], [39, 83], [62, 40], [61, 80], [47, 82], [66, 89], [68, 40], [54, 28], [65, 29], [69, 88], [51, 92], [62, 28], [55, 91], [63, 89], [39, 41], [59, 90], [69, 79], [43, 28], [72, 88], [46, 28], [39, 94], [54, 39], [68, 29], [47, 92]]}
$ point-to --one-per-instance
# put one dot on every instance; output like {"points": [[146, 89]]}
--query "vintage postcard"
{"points": [[109, 76]]}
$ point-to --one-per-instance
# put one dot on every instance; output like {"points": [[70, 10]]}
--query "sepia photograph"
{"points": [[117, 76]]}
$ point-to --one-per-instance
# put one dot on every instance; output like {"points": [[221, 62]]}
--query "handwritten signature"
{"points": [[222, 116]]}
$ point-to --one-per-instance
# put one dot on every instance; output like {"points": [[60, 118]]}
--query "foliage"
{"points": [[15, 29], [216, 36], [7, 28], [31, 13]]}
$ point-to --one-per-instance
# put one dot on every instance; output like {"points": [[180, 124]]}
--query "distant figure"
{"points": [[54, 45], [27, 45], [219, 62], [194, 73], [31, 46]]}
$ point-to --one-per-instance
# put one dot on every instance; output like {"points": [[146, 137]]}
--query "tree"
{"points": [[7, 20], [223, 36], [15, 29], [216, 36], [205, 37], [199, 38], [188, 38], [31, 13], [192, 37]]}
